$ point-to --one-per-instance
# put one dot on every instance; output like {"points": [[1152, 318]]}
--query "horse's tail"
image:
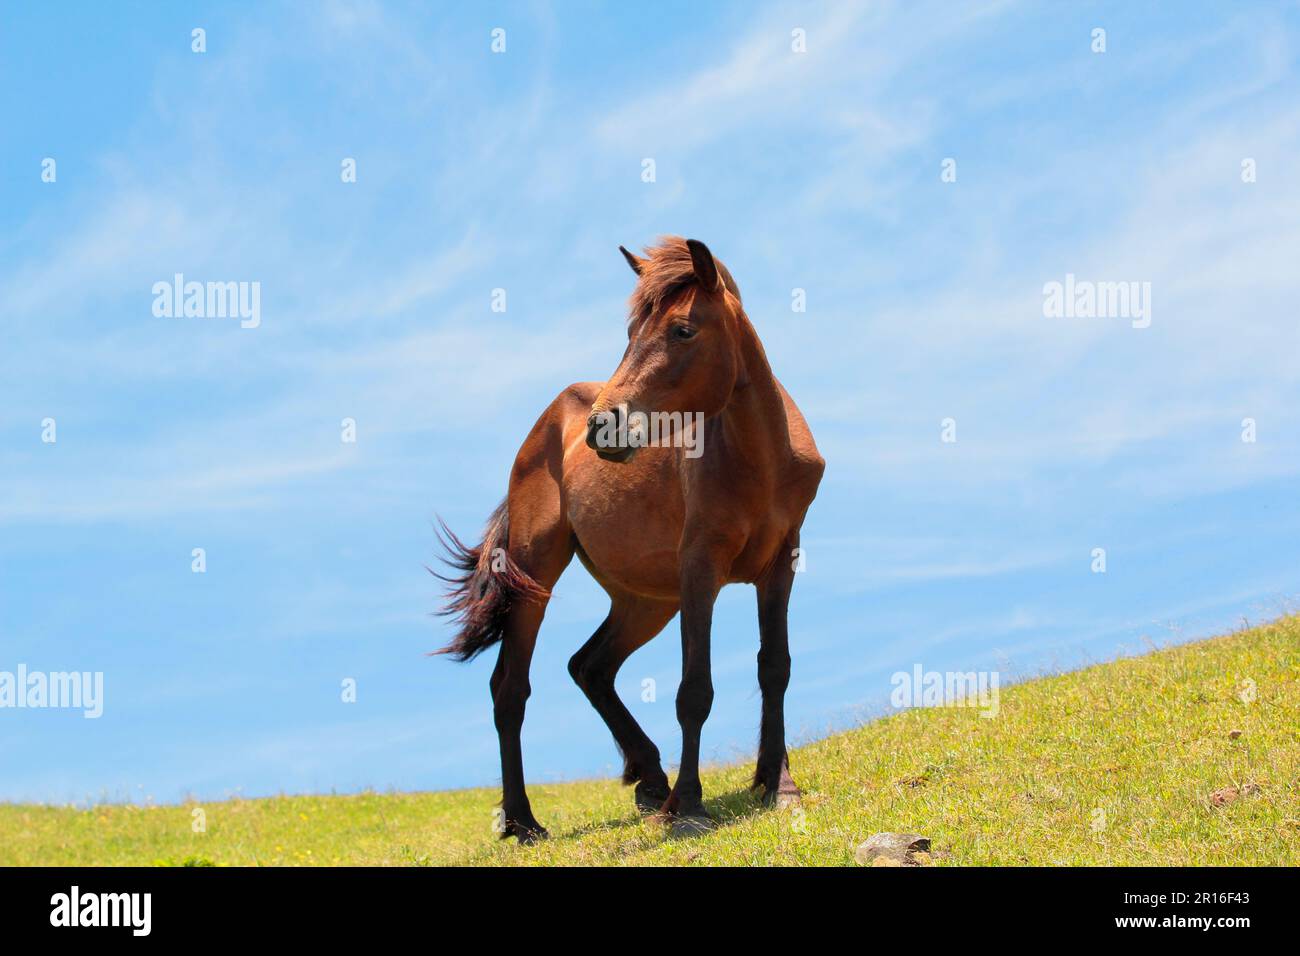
{"points": [[488, 585]]}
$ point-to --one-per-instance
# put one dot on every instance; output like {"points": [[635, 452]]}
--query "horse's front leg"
{"points": [[631, 623], [772, 774], [701, 580]]}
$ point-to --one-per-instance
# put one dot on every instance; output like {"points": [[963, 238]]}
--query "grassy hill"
{"points": [[1189, 755]]}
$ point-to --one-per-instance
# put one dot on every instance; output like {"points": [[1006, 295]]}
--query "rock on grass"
{"points": [[894, 849]]}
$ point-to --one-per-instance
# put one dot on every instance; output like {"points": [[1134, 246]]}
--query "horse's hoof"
{"points": [[650, 801], [526, 833], [528, 837], [693, 826], [782, 799]]}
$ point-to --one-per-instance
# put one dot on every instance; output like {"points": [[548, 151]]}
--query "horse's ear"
{"points": [[706, 270], [636, 262]]}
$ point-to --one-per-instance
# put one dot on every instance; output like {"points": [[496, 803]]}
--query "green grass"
{"points": [[1115, 764]]}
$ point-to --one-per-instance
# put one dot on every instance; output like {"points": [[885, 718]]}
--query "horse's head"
{"points": [[683, 355]]}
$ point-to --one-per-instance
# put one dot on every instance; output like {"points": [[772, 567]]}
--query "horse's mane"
{"points": [[666, 272]]}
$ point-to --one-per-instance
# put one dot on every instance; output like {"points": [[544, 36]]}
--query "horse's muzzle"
{"points": [[607, 435]]}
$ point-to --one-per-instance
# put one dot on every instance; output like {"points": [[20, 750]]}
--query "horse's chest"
{"points": [[628, 520]]}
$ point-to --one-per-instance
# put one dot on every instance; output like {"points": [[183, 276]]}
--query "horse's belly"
{"points": [[627, 519]]}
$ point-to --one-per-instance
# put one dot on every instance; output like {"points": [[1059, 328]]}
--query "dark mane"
{"points": [[665, 274]]}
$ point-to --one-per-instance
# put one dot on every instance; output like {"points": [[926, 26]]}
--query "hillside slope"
{"points": [[1189, 755]]}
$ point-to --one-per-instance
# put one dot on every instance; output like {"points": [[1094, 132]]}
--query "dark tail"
{"points": [[488, 586]]}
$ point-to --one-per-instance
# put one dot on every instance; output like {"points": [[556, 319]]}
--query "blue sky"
{"points": [[522, 170]]}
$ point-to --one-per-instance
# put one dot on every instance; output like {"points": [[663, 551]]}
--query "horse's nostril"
{"points": [[593, 428]]}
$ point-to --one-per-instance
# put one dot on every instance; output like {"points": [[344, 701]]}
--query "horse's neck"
{"points": [[756, 411]]}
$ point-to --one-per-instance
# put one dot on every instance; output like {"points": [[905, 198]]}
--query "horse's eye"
{"points": [[683, 332]]}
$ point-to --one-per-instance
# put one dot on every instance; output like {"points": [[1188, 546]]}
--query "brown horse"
{"points": [[662, 525]]}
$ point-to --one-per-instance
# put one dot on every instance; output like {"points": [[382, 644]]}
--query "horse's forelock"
{"points": [[666, 272]]}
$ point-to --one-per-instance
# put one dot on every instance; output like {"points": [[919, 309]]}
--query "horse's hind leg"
{"points": [[631, 623], [541, 544], [772, 775], [510, 690]]}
